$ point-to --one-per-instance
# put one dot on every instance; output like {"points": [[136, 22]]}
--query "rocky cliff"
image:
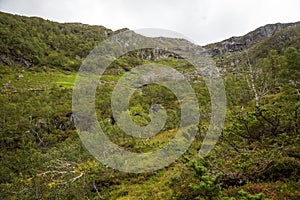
{"points": [[237, 44]]}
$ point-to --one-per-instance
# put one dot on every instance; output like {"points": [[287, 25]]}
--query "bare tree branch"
{"points": [[95, 187]]}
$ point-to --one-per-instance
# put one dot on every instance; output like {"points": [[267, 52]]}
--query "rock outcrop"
{"points": [[237, 44]]}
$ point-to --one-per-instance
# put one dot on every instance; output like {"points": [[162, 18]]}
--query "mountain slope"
{"points": [[33, 41], [237, 44], [28, 41], [43, 157]]}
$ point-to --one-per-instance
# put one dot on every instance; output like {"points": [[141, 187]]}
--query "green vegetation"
{"points": [[42, 157]]}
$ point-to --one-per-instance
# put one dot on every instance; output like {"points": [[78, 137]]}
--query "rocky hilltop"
{"points": [[237, 44]]}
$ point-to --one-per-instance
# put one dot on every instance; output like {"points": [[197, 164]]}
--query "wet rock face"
{"points": [[237, 44]]}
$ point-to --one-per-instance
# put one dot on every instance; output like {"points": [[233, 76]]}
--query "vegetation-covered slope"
{"points": [[42, 157], [36, 42]]}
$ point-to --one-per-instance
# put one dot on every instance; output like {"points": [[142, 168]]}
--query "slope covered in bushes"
{"points": [[42, 156]]}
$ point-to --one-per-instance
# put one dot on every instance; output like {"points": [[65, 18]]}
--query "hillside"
{"points": [[32, 41], [237, 44], [42, 156]]}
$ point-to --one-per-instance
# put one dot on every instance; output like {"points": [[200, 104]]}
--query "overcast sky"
{"points": [[203, 21]]}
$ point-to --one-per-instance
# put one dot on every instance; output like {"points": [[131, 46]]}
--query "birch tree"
{"points": [[261, 75]]}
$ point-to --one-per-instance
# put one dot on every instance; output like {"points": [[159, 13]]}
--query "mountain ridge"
{"points": [[239, 43], [33, 41]]}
